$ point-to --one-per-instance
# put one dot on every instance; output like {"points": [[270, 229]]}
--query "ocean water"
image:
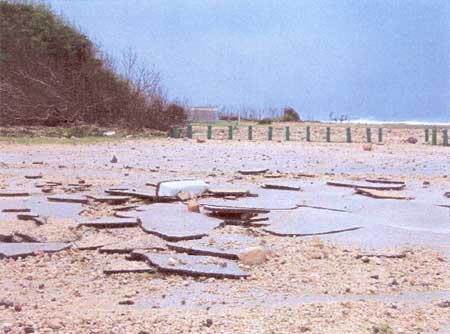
{"points": [[408, 122]]}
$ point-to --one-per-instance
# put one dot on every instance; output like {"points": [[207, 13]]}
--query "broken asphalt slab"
{"points": [[113, 200], [366, 185], [124, 267], [23, 249], [140, 194], [308, 221], [382, 194], [224, 192], [293, 186], [110, 222], [13, 193], [147, 242], [77, 199], [226, 246], [384, 180], [252, 171], [192, 265], [226, 209], [173, 222]]}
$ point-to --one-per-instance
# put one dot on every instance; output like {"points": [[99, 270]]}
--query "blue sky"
{"points": [[378, 59]]}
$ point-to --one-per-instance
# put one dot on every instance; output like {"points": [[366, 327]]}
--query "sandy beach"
{"points": [[389, 273]]}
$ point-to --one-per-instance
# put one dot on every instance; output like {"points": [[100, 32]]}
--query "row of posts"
{"points": [[348, 132]]}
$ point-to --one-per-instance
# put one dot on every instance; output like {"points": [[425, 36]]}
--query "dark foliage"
{"points": [[51, 74], [290, 115]]}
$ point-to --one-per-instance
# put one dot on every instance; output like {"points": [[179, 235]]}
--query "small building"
{"points": [[203, 115]]}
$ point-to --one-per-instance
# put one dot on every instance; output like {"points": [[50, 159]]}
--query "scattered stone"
{"points": [[367, 147], [444, 304], [28, 329], [193, 206], [6, 303], [126, 302], [412, 140], [34, 176], [253, 255]]}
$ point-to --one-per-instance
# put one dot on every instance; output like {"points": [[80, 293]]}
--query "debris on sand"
{"points": [[387, 255], [34, 176], [252, 171], [412, 140], [193, 265], [380, 194], [367, 147], [294, 186]]}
